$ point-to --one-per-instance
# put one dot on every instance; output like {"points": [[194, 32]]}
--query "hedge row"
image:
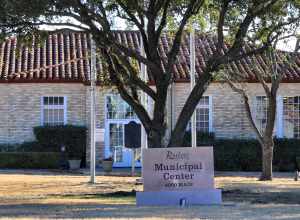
{"points": [[237, 155], [229, 155], [46, 150], [52, 138], [72, 138], [30, 160], [245, 155], [33, 146]]}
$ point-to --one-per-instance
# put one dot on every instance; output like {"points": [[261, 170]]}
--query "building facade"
{"points": [[49, 85]]}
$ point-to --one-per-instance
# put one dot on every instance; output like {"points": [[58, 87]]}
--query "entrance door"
{"points": [[118, 114]]}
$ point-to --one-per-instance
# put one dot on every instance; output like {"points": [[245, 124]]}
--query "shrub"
{"points": [[45, 152], [73, 138], [245, 155], [33, 146], [237, 155], [248, 155], [30, 160], [285, 153], [203, 138], [9, 147]]}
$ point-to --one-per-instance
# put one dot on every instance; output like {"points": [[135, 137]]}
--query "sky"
{"points": [[119, 24], [287, 45]]}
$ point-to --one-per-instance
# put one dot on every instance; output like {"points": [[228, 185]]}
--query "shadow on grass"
{"points": [[116, 172], [109, 196], [121, 204], [253, 174], [113, 211], [237, 195], [41, 172]]}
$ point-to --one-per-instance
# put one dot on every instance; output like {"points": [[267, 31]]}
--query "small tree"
{"points": [[270, 79]]}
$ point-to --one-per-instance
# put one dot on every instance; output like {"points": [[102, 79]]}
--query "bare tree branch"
{"points": [[138, 108], [193, 8], [245, 98], [220, 26]]}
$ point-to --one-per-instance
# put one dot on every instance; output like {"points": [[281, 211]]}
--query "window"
{"points": [[116, 134], [261, 112], [118, 113], [54, 110], [291, 117], [117, 108], [203, 115]]}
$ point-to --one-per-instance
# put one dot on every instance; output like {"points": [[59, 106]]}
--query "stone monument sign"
{"points": [[173, 174]]}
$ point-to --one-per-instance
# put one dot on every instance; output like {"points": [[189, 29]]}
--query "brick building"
{"points": [[48, 84]]}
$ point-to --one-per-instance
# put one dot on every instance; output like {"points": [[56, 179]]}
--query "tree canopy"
{"points": [[232, 22]]}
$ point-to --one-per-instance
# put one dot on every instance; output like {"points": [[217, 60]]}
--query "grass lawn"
{"points": [[52, 195]]}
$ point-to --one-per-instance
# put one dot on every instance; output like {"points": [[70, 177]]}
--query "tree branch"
{"points": [[252, 12], [163, 20], [193, 8], [140, 24], [220, 26], [132, 76], [247, 108], [138, 107]]}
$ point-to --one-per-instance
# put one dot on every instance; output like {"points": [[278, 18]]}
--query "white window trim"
{"points": [[281, 107], [253, 109], [254, 112], [53, 107], [108, 121], [115, 119], [279, 116], [279, 124], [65, 110], [210, 112], [278, 128]]}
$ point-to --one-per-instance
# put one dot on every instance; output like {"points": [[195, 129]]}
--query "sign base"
{"points": [[176, 198]]}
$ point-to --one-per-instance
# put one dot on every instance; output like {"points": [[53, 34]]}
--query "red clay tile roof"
{"points": [[64, 58]]}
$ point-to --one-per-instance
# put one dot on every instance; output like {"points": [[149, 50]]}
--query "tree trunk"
{"points": [[267, 159], [155, 139], [189, 107]]}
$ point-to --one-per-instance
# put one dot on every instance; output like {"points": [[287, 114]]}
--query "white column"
{"points": [[279, 112], [173, 99], [169, 114], [92, 112], [210, 114], [192, 76]]}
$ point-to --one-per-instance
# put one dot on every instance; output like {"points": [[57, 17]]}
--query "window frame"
{"points": [[117, 119], [54, 107], [281, 110], [108, 121], [256, 119], [210, 112], [279, 123]]}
